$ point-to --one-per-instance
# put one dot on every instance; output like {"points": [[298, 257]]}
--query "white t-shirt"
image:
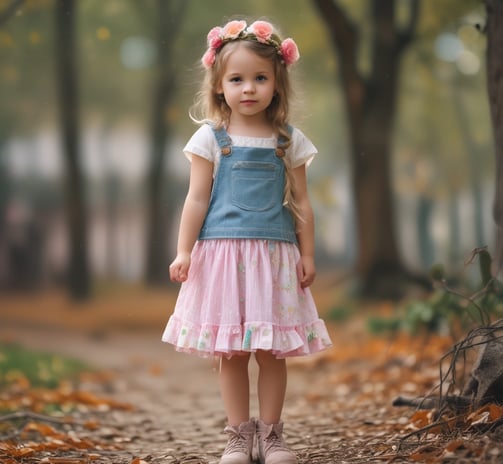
{"points": [[203, 143]]}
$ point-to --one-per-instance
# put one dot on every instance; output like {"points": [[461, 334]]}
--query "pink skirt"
{"points": [[243, 296]]}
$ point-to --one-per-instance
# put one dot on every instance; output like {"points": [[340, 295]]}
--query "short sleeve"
{"points": [[301, 151], [202, 143]]}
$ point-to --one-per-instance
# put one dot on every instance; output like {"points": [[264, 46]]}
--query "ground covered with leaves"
{"points": [[143, 403]]}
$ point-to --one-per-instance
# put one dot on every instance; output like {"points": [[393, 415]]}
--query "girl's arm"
{"points": [[305, 228], [193, 214]]}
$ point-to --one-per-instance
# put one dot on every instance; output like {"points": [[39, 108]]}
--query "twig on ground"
{"points": [[20, 415]]}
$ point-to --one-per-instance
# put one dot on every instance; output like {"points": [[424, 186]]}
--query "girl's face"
{"points": [[248, 85]]}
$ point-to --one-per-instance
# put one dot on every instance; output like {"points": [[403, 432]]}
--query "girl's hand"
{"points": [[179, 268], [308, 271]]}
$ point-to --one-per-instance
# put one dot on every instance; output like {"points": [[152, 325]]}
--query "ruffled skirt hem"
{"points": [[220, 340], [244, 296]]}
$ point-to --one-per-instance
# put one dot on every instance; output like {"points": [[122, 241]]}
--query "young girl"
{"points": [[246, 240]]}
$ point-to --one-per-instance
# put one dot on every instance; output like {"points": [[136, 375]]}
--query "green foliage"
{"points": [[448, 309], [378, 325], [38, 369], [339, 313]]}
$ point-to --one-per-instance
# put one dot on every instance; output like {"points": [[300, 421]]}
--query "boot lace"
{"points": [[273, 441], [237, 443]]}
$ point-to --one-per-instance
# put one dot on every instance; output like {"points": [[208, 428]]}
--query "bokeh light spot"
{"points": [[448, 47], [137, 52], [35, 38], [468, 62], [103, 33]]}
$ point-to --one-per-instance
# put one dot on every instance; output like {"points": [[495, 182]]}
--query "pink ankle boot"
{"points": [[271, 446], [240, 443]]}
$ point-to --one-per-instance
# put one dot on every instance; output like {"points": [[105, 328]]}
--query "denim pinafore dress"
{"points": [[243, 293], [247, 194]]}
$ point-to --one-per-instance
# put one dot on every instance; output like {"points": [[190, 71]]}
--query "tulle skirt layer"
{"points": [[243, 296]]}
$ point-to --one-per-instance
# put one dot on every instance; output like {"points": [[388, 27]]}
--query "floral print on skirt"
{"points": [[243, 296]]}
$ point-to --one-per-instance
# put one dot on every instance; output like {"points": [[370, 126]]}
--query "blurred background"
{"points": [[94, 114], [94, 102]]}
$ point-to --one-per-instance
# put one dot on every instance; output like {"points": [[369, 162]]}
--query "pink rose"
{"points": [[262, 30], [289, 51], [232, 29], [215, 38], [208, 58]]}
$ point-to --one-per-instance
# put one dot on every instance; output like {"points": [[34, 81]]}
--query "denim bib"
{"points": [[247, 196]]}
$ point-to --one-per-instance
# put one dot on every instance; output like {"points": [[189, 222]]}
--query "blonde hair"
{"points": [[210, 106]]}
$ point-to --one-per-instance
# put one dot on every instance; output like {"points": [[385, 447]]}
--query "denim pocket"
{"points": [[253, 185]]}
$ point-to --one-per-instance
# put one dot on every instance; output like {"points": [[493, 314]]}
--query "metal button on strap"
{"points": [[280, 152]]}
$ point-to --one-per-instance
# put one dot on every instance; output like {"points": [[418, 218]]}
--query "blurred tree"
{"points": [[475, 169], [5, 15], [170, 19], [442, 134], [495, 91], [117, 51], [78, 275], [24, 53], [4, 198], [370, 103]]}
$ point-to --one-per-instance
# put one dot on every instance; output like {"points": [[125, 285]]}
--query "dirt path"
{"points": [[338, 407], [179, 416]]}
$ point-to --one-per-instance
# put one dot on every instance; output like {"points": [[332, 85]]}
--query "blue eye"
{"points": [[235, 79], [261, 78]]}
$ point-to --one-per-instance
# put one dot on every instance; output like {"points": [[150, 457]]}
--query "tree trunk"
{"points": [[371, 104], [4, 201], [170, 14], [79, 281], [495, 92], [454, 247], [475, 170], [424, 238], [5, 15]]}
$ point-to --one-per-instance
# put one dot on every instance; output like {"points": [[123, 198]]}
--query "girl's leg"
{"points": [[235, 388], [271, 386], [271, 394]]}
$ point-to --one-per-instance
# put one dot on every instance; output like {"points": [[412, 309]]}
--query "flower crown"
{"points": [[259, 31]]}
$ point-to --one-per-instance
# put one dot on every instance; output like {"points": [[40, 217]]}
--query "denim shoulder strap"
{"points": [[223, 140], [280, 147]]}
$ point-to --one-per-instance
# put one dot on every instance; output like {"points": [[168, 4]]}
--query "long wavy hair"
{"points": [[210, 106]]}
